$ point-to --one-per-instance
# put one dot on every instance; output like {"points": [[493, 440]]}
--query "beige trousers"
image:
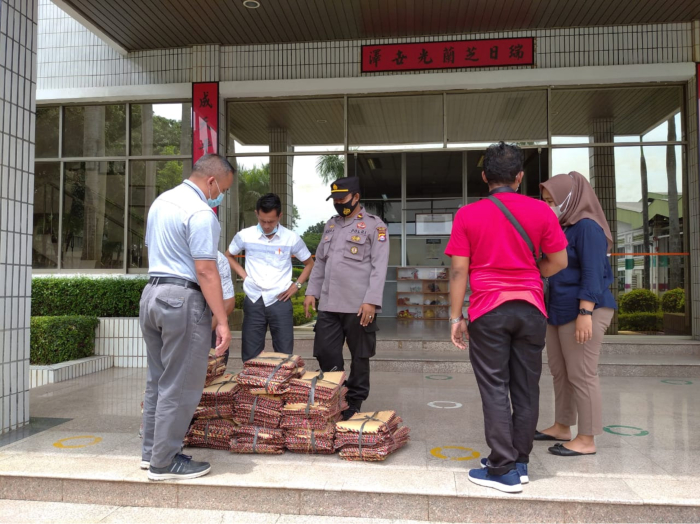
{"points": [[574, 370]]}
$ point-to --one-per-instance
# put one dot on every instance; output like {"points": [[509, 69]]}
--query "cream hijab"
{"points": [[577, 200]]}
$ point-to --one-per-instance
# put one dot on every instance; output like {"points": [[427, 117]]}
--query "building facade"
{"points": [[110, 128]]}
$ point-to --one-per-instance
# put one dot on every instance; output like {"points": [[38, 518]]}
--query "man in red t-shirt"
{"points": [[507, 315]]}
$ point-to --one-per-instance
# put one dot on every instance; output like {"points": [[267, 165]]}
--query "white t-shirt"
{"points": [[268, 261], [225, 272]]}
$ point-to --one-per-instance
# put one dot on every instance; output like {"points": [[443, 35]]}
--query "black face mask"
{"points": [[347, 209]]}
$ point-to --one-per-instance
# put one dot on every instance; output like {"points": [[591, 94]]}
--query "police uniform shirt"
{"points": [[181, 228], [351, 264]]}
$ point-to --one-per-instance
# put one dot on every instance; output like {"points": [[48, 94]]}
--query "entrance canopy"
{"points": [[156, 24]]}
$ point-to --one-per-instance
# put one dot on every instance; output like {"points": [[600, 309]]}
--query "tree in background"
{"points": [[330, 168], [312, 236]]}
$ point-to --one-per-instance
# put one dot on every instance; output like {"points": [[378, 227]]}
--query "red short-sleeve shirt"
{"points": [[501, 266]]}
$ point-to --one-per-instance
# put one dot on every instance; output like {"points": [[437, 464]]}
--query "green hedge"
{"points": [[642, 321], [296, 272], [673, 301], [97, 297], [58, 339], [240, 297], [639, 301]]}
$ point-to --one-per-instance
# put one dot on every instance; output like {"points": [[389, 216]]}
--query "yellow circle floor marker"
{"points": [[437, 453], [60, 443]]}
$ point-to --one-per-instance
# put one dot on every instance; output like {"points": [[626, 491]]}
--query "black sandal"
{"points": [[544, 436]]}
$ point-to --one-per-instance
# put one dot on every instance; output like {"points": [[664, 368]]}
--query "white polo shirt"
{"points": [[268, 261], [225, 273]]}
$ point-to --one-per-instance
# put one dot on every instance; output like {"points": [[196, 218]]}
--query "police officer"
{"points": [[183, 292], [348, 280]]}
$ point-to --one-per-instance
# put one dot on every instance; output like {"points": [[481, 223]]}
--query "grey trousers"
{"points": [[257, 317], [176, 326], [574, 369]]}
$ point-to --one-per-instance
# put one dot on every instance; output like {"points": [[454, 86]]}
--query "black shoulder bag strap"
{"points": [[525, 237]]}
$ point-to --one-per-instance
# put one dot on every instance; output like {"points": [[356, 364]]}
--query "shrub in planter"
{"points": [[673, 301], [639, 301], [58, 339], [97, 297], [300, 317], [641, 321], [240, 297]]}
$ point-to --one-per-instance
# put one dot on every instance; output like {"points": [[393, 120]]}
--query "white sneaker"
{"points": [[145, 464]]}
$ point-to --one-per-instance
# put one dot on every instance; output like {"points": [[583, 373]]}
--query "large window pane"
{"points": [[93, 215], [147, 180], [47, 132], [161, 129], [281, 124], [94, 131], [434, 175], [380, 174], [512, 116], [47, 179], [376, 122], [535, 166], [602, 114]]}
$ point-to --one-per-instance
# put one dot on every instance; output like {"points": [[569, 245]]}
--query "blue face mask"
{"points": [[215, 202], [262, 232]]}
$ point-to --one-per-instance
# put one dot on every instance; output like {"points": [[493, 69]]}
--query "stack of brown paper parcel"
{"points": [[370, 436]]}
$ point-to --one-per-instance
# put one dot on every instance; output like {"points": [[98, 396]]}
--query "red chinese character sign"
{"points": [[205, 119], [448, 55]]}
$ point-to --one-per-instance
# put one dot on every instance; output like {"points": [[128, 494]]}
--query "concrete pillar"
{"points": [[281, 168], [602, 177], [691, 219], [18, 24]]}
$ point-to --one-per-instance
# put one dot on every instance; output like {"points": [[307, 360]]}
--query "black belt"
{"points": [[156, 281]]}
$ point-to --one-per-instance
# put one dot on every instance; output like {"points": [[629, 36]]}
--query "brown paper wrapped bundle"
{"points": [[311, 441], [224, 411], [258, 410], [221, 392], [216, 367], [255, 439], [315, 386], [213, 434], [370, 436]]}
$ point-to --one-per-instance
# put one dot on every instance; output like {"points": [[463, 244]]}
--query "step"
{"points": [[612, 345], [413, 361], [42, 375]]}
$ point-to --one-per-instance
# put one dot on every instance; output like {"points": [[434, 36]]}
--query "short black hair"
{"points": [[209, 163], [502, 163], [268, 202]]}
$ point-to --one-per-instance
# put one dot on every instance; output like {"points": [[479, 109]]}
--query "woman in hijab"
{"points": [[581, 307]]}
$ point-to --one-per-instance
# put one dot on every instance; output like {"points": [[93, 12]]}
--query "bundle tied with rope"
{"points": [[218, 399], [370, 436], [212, 434], [270, 373], [311, 441], [254, 439], [314, 400]]}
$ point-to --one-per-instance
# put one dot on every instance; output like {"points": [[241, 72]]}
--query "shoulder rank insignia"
{"points": [[359, 216]]}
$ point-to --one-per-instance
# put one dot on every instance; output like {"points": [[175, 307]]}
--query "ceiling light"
{"points": [[321, 121], [251, 4], [481, 162], [374, 163]]}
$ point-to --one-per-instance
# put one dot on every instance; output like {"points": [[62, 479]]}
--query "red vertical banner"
{"points": [[205, 119]]}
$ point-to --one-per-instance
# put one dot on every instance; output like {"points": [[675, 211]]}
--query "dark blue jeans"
{"points": [[257, 317]]}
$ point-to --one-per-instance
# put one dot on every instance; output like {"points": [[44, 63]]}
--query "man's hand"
{"points": [[309, 305], [460, 335], [223, 339], [584, 328], [367, 313], [289, 293]]}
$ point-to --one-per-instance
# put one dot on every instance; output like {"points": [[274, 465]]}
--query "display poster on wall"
{"points": [[433, 224], [448, 55]]}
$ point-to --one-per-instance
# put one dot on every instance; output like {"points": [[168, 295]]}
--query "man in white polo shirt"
{"points": [[267, 278]]}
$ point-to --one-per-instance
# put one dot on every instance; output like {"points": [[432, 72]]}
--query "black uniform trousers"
{"points": [[505, 350], [332, 330]]}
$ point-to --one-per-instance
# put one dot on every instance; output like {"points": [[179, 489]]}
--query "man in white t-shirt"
{"points": [[267, 278]]}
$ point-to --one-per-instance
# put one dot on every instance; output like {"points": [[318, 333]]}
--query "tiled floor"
{"points": [[659, 466]]}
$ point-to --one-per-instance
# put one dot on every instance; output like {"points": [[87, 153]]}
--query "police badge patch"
{"points": [[381, 234], [353, 250]]}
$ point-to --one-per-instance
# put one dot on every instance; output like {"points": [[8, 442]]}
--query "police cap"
{"points": [[344, 186]]}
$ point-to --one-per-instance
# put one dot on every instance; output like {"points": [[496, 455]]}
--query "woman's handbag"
{"points": [[526, 238]]}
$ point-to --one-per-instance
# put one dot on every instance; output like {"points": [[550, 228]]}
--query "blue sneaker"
{"points": [[519, 466], [508, 483]]}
